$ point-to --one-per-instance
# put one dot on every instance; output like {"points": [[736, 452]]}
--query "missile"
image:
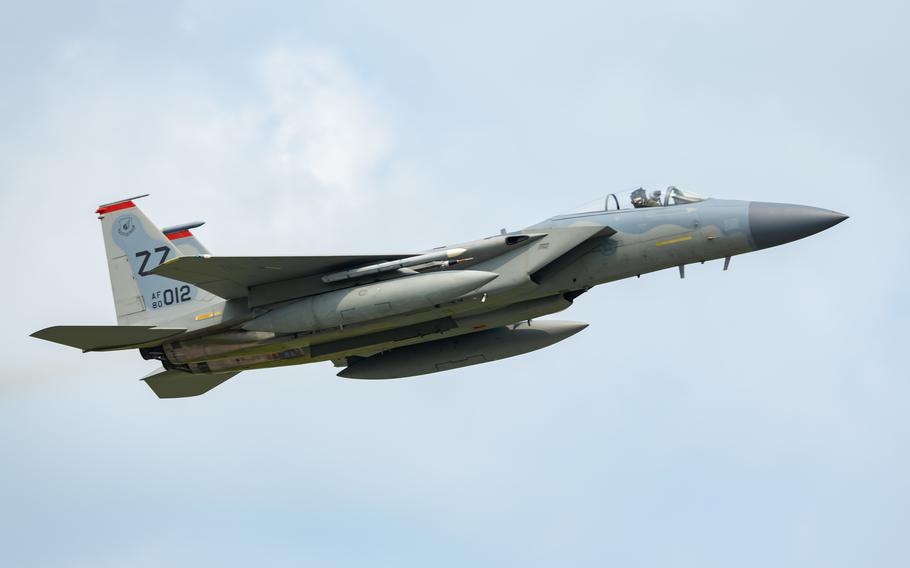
{"points": [[462, 350], [439, 257], [370, 302], [479, 250], [491, 247]]}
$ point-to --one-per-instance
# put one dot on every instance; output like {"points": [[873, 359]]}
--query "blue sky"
{"points": [[755, 417]]}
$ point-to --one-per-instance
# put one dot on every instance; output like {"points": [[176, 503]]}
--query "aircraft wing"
{"points": [[232, 276], [106, 337]]}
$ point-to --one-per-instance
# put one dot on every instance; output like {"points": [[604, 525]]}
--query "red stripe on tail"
{"points": [[115, 207], [179, 235]]}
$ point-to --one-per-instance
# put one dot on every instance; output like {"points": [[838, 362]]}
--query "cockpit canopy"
{"points": [[638, 199]]}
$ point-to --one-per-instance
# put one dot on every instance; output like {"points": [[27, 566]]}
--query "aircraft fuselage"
{"points": [[531, 281]]}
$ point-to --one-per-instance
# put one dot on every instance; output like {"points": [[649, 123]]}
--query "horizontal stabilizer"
{"points": [[177, 384], [106, 337], [231, 277]]}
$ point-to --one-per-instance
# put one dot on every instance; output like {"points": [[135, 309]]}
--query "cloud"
{"points": [[325, 124], [295, 157], [696, 418], [307, 134]]}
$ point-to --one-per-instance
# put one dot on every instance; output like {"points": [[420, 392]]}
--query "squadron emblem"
{"points": [[125, 226]]}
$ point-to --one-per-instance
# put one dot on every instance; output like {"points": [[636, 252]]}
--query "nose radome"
{"points": [[774, 224]]}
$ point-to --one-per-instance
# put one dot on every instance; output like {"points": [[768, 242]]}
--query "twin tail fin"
{"points": [[134, 246]]}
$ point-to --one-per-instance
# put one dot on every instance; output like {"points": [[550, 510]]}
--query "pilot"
{"points": [[654, 200], [640, 198]]}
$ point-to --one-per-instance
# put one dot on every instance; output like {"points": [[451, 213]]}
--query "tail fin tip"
{"points": [[118, 205]]}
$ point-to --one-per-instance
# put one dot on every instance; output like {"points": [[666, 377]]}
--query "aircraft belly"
{"points": [[369, 339]]}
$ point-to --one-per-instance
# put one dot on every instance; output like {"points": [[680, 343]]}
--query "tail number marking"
{"points": [[170, 296], [146, 255]]}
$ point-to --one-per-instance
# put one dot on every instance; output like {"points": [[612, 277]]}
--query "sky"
{"points": [[753, 417]]}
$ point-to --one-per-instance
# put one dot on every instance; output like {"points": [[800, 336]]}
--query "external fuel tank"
{"points": [[462, 350], [370, 301]]}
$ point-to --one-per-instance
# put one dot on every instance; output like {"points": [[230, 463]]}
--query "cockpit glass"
{"points": [[680, 197], [637, 199], [595, 206]]}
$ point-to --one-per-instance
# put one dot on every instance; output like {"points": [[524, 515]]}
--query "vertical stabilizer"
{"points": [[134, 246], [182, 236]]}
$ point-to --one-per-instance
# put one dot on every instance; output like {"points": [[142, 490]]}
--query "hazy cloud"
{"points": [[326, 125], [752, 417]]}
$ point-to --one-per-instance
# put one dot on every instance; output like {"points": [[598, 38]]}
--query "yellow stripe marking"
{"points": [[201, 317], [674, 241]]}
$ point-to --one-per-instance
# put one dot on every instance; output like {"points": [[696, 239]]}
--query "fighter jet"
{"points": [[206, 318]]}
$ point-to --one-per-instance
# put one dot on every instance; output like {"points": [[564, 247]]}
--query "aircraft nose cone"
{"points": [[774, 224]]}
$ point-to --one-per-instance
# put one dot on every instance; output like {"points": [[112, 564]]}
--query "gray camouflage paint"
{"points": [[652, 239], [646, 240], [560, 259], [130, 238]]}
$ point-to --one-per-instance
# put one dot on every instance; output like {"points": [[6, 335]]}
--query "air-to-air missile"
{"points": [[207, 318]]}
